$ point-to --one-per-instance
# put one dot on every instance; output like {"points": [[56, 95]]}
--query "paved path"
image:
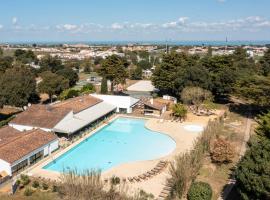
{"points": [[231, 183]]}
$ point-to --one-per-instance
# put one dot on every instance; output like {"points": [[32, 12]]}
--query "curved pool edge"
{"points": [[38, 169]]}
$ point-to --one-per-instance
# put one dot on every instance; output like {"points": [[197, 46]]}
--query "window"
{"points": [[36, 157], [19, 166]]}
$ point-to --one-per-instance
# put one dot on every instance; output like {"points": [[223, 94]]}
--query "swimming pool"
{"points": [[123, 140]]}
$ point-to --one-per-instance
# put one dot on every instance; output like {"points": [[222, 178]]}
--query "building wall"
{"points": [[121, 102], [5, 166], [48, 148]]}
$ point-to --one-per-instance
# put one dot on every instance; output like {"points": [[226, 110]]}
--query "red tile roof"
{"points": [[8, 133], [47, 116], [155, 105], [78, 104], [23, 144], [41, 116]]}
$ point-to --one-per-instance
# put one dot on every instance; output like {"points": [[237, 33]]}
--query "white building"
{"points": [[21, 149], [124, 104], [66, 117]]}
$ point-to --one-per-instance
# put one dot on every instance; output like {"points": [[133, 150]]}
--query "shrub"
{"points": [[186, 166], [222, 151], [179, 111], [200, 191], [115, 180], [35, 184], [45, 186], [69, 93], [88, 88], [28, 192], [54, 188], [25, 180]]}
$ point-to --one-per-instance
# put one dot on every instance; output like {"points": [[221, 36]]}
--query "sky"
{"points": [[133, 20]]}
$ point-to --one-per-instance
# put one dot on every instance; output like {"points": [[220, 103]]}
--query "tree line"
{"points": [[224, 75]]}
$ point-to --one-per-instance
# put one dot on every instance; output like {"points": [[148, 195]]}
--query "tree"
{"points": [[144, 64], [17, 86], [221, 73], [98, 60], [52, 84], [1, 52], [5, 63], [222, 151], [69, 74], [253, 171], [25, 56], [195, 96], [255, 89], [165, 75], [104, 86], [240, 54], [179, 111], [265, 63], [136, 74], [49, 63], [113, 68], [87, 66]]}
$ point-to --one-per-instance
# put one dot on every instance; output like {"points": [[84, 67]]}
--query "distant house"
{"points": [[143, 88], [21, 149], [66, 117], [124, 104], [150, 107]]}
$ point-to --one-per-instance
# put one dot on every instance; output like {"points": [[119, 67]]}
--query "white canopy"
{"points": [[77, 121]]}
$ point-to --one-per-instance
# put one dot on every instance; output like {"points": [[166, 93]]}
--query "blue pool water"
{"points": [[123, 140]]}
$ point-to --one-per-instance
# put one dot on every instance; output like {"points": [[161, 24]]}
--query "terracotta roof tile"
{"points": [[23, 144], [78, 104], [40, 116], [8, 133], [47, 116], [156, 105]]}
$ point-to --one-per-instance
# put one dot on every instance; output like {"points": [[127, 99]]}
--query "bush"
{"points": [[28, 192], [45, 186], [115, 180], [25, 180], [88, 88], [35, 184], [54, 188], [200, 191], [69, 93], [222, 151]]}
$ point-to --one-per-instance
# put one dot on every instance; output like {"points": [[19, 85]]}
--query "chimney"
{"points": [[152, 101]]}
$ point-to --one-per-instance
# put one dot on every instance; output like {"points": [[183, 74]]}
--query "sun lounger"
{"points": [[163, 195], [137, 179], [142, 177], [130, 179], [167, 188], [165, 192], [151, 173]]}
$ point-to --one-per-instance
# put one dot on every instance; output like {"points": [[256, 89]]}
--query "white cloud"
{"points": [[67, 27], [221, 1], [14, 20], [117, 26], [176, 24], [1, 26]]}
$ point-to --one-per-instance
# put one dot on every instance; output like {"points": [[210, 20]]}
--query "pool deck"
{"points": [[184, 141]]}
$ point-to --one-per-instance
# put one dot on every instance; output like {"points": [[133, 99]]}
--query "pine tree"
{"points": [[104, 86]]}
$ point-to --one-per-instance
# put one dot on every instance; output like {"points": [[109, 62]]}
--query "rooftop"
{"points": [[22, 143], [48, 116], [142, 86]]}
